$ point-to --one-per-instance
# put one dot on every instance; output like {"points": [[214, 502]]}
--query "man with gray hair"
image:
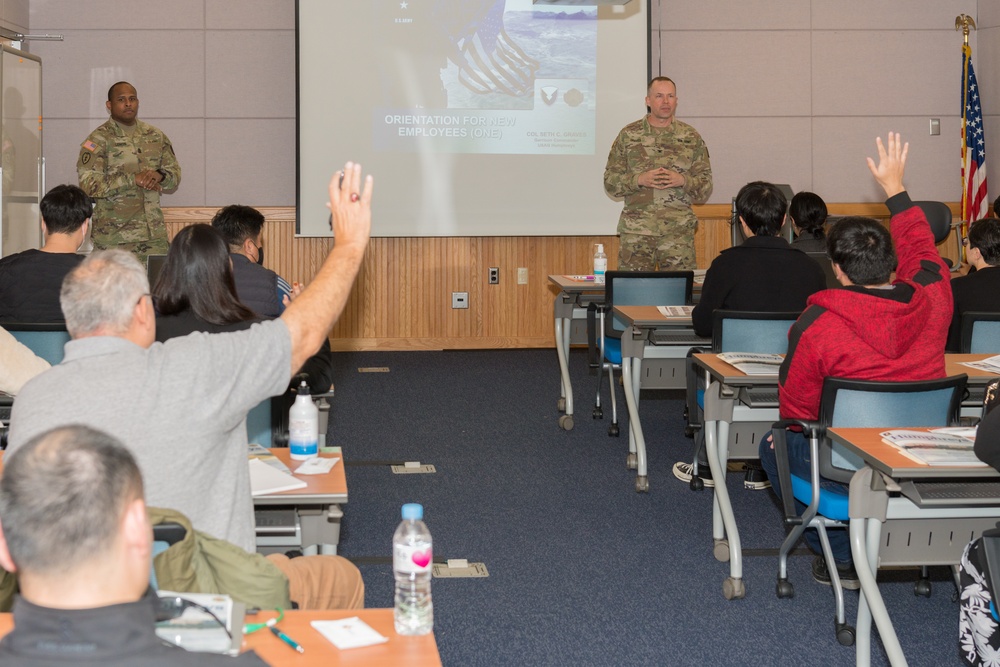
{"points": [[75, 530], [181, 406]]}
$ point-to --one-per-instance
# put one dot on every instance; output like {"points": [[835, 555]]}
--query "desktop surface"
{"points": [[399, 651]]}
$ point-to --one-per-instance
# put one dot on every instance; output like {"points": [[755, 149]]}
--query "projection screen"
{"points": [[476, 117]]}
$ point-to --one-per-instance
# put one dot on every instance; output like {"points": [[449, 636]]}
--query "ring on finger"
{"points": [[355, 197]]}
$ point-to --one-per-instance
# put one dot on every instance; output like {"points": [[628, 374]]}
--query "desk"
{"points": [[732, 419], [884, 524], [570, 303], [727, 403], [397, 652], [642, 321], [317, 511]]}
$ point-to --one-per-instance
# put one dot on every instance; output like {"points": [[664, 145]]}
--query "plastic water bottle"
{"points": [[411, 563], [303, 426], [600, 264]]}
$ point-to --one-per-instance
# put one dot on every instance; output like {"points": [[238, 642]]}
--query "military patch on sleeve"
{"points": [[90, 146], [85, 157]]}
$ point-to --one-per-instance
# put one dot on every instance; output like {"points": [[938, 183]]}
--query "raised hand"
{"points": [[891, 165]]}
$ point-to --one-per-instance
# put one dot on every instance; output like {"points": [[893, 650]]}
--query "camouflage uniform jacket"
{"points": [[639, 148], [109, 160]]}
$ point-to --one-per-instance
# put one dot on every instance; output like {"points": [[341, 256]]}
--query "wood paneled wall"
{"points": [[402, 297]]}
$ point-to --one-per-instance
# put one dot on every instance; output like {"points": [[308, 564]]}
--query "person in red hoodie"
{"points": [[873, 329]]}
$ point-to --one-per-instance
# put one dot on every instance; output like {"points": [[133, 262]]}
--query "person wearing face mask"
{"points": [[125, 164], [30, 280], [262, 290]]}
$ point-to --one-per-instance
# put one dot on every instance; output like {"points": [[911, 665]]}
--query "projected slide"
{"points": [[484, 76]]}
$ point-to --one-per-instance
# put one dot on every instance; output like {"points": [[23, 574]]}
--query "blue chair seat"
{"points": [[701, 399], [832, 504], [613, 350]]}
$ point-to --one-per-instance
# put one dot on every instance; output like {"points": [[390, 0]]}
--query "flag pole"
{"points": [[963, 22]]}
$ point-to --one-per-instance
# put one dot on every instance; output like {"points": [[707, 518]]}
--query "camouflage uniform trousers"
{"points": [[156, 244], [671, 251]]}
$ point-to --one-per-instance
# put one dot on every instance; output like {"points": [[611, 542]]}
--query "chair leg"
{"points": [[845, 632], [922, 587], [598, 410], [784, 588], [613, 430]]}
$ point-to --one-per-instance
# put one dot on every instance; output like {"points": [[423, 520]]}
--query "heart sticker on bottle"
{"points": [[422, 558]]}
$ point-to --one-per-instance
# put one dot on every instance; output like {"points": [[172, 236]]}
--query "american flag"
{"points": [[974, 195]]}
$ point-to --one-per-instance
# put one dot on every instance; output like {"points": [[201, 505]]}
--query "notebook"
{"points": [[264, 479]]}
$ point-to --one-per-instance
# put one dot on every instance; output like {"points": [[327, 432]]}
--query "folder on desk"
{"points": [[264, 479]]}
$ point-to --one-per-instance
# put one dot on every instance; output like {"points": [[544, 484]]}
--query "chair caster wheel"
{"points": [[784, 589], [561, 405], [642, 484], [733, 589], [566, 422], [845, 634], [632, 462], [598, 413], [721, 550], [922, 588], [696, 483], [613, 431]]}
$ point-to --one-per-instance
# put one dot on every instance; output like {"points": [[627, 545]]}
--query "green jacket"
{"points": [[201, 563]]}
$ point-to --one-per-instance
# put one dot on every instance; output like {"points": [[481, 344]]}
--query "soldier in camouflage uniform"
{"points": [[124, 164], [661, 167]]}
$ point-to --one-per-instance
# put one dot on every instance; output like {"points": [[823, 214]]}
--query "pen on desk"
{"points": [[285, 638]]}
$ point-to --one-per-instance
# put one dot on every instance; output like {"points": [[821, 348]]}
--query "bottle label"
{"points": [[411, 560]]}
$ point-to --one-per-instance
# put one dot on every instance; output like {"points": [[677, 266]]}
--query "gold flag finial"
{"points": [[963, 22]]}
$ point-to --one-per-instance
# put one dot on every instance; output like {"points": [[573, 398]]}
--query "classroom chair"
{"points": [[44, 339], [632, 288], [980, 333], [849, 403]]}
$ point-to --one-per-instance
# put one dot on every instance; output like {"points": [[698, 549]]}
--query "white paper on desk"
{"points": [[349, 633], [316, 466], [675, 311], [264, 479]]}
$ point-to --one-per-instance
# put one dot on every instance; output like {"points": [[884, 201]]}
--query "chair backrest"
{"points": [[44, 339], [980, 333], [863, 403], [259, 424], [165, 535], [746, 331], [938, 214], [643, 288], [827, 266]]}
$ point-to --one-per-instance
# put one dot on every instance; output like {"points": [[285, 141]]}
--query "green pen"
{"points": [[285, 638]]}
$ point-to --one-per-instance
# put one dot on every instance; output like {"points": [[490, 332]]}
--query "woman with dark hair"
{"points": [[195, 290], [808, 214]]}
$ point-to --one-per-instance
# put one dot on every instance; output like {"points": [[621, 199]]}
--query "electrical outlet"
{"points": [[459, 299], [522, 275], [494, 275]]}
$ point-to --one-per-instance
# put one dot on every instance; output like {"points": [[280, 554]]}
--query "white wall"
{"points": [[785, 90]]}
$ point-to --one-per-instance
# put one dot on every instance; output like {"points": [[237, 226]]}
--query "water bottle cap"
{"points": [[413, 512]]}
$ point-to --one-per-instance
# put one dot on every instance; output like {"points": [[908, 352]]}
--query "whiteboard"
{"points": [[476, 117]]}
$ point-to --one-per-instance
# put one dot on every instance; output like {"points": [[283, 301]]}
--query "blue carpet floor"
{"points": [[583, 570]]}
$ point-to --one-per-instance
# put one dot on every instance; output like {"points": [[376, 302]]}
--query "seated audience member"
{"points": [[18, 364], [808, 214], [763, 273], [195, 292], [263, 290], [75, 530], [872, 330], [181, 406], [979, 291], [30, 280]]}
